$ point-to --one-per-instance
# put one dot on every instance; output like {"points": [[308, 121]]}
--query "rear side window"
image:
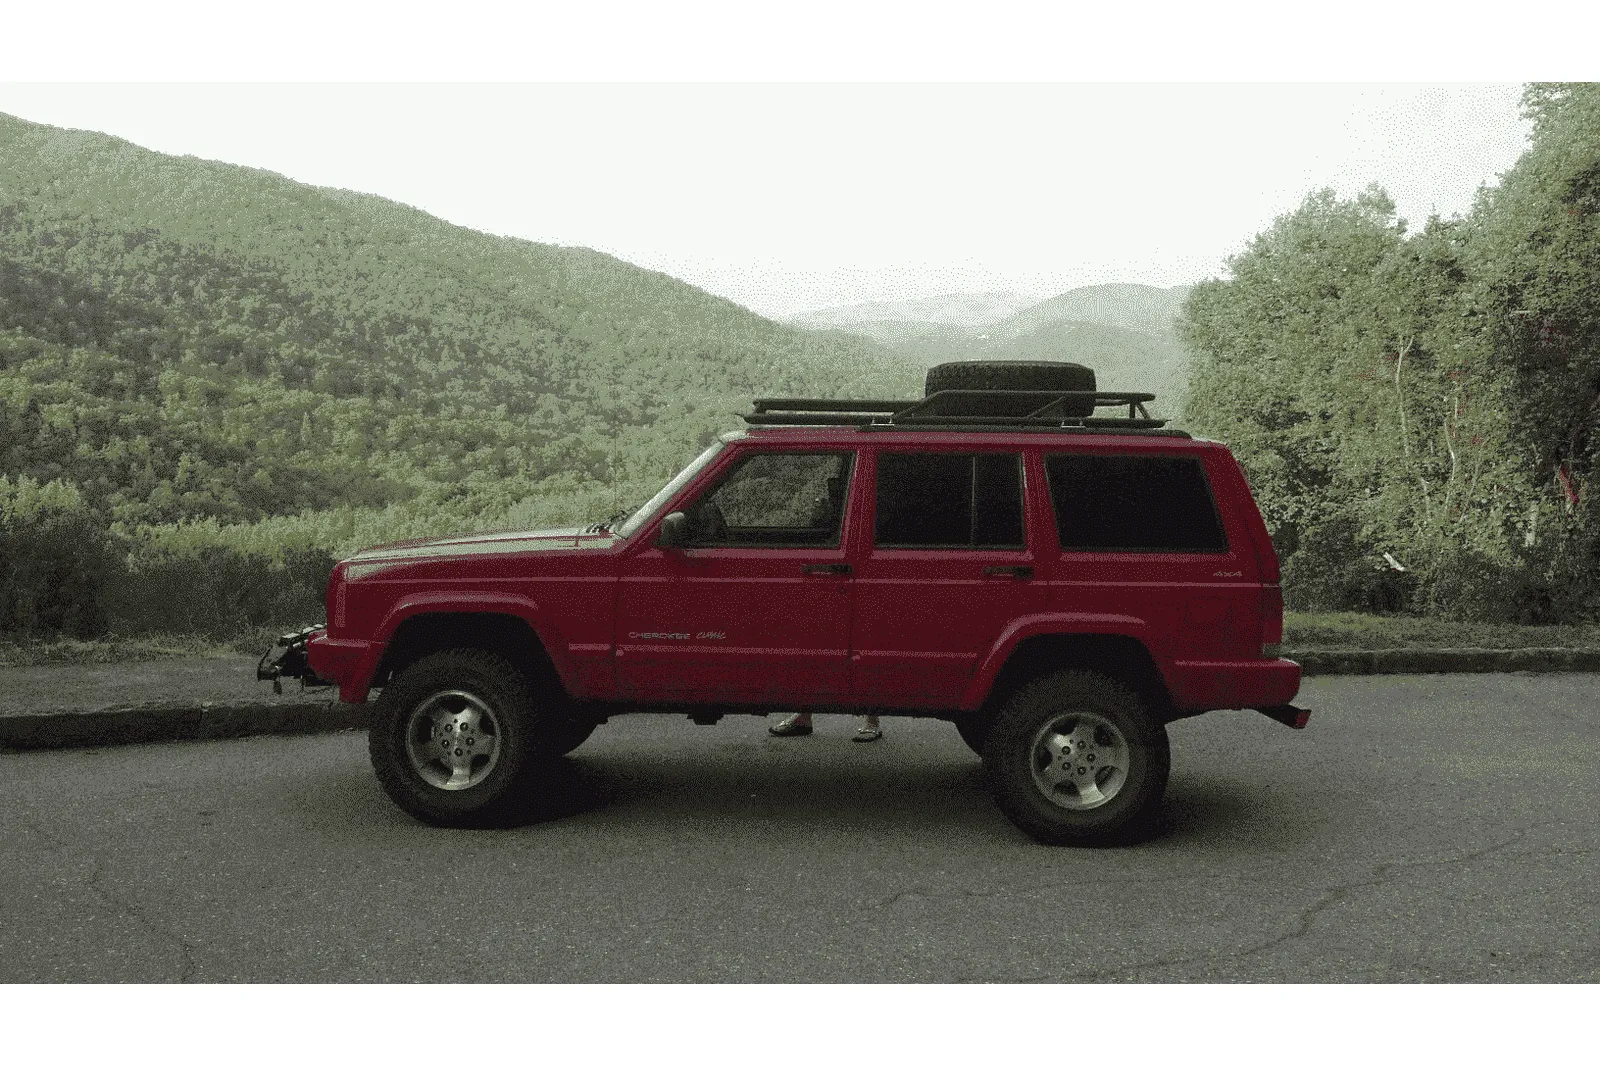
{"points": [[944, 500], [1133, 503]]}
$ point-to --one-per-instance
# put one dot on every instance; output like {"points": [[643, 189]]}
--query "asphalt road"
{"points": [[1423, 828]]}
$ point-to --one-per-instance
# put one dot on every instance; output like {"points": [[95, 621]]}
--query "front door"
{"points": [[756, 608]]}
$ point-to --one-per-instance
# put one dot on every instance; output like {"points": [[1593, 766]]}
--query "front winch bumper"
{"points": [[287, 658]]}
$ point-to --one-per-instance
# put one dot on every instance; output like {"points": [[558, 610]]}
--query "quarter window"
{"points": [[1133, 503], [941, 500]]}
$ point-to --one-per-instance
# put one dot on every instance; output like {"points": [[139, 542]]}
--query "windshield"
{"points": [[642, 515]]}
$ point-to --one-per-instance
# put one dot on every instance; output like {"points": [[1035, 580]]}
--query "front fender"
{"points": [[1053, 623], [456, 602]]}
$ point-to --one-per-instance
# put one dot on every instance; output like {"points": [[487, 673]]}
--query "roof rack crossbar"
{"points": [[1111, 426], [787, 419], [1020, 409], [763, 406], [1039, 401], [1026, 420]]}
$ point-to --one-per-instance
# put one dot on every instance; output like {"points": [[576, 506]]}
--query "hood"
{"points": [[496, 543]]}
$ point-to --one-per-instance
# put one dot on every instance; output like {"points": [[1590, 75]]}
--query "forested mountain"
{"points": [[186, 339], [213, 380]]}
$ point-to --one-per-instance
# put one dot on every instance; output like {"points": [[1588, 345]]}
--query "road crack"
{"points": [[1381, 874], [118, 906], [1047, 886]]}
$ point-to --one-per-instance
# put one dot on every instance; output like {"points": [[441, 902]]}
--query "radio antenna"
{"points": [[611, 464]]}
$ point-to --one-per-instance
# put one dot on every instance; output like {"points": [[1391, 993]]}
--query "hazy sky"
{"points": [[794, 197]]}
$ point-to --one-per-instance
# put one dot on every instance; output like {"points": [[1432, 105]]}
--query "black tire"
{"points": [[1078, 794], [974, 729], [459, 687], [1018, 375]]}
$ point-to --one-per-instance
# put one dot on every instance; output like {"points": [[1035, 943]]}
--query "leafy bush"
{"points": [[216, 591], [1334, 570], [56, 562]]}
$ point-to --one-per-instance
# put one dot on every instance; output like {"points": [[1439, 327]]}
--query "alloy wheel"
{"points": [[453, 740]]}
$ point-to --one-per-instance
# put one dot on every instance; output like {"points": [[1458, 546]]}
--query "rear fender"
{"points": [[1062, 624]]}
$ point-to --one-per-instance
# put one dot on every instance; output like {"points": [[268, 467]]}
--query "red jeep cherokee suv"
{"points": [[1060, 586]]}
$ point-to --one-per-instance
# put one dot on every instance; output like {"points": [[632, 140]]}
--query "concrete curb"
{"points": [[148, 722], [1315, 662]]}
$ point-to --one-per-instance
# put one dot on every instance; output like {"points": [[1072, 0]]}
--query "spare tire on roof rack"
{"points": [[1006, 375]]}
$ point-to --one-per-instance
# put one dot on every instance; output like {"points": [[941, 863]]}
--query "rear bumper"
{"points": [[1213, 686], [346, 663]]}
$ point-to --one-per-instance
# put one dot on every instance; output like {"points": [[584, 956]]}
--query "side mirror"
{"points": [[674, 531]]}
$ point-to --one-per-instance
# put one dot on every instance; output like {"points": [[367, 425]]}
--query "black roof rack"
{"points": [[983, 409]]}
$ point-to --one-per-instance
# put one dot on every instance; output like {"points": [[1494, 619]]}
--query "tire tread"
{"points": [[1007, 751], [507, 687]]}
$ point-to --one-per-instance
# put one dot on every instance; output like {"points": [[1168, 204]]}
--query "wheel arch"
{"points": [[1118, 655], [424, 632]]}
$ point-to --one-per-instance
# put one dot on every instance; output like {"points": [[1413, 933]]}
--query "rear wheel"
{"points": [[453, 737], [1074, 758], [974, 729]]}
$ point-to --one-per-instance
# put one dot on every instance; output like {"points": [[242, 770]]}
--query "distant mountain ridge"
{"points": [[1141, 308], [1126, 332], [962, 310]]}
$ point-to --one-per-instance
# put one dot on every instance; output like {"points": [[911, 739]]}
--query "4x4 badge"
{"points": [[1228, 573]]}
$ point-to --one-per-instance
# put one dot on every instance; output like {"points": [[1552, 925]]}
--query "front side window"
{"points": [[945, 500], [1133, 503], [775, 500]]}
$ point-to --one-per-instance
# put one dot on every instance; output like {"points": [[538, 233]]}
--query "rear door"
{"points": [[756, 609], [949, 565]]}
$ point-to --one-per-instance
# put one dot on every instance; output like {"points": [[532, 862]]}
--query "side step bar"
{"points": [[1287, 713]]}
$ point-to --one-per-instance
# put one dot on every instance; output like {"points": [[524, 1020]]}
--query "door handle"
{"points": [[825, 568], [1021, 572]]}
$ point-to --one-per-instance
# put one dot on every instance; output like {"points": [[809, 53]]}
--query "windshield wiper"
{"points": [[605, 524]]}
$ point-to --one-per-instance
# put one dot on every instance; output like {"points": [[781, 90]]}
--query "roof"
{"points": [[993, 436]]}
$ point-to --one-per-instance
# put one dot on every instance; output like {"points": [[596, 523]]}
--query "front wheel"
{"points": [[453, 737], [1074, 758]]}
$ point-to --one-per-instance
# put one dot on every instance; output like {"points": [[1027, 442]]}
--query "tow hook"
{"points": [[287, 658], [1287, 713]]}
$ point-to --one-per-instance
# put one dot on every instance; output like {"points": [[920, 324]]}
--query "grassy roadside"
{"points": [[1341, 631], [132, 649], [1350, 631]]}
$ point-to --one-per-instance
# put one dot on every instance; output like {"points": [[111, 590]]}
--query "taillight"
{"points": [[340, 594], [1271, 621]]}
